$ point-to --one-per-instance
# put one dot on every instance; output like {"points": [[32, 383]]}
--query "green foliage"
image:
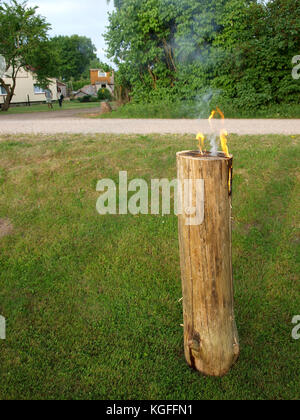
{"points": [[78, 84], [88, 98], [200, 109], [166, 49], [24, 44], [75, 54], [104, 94], [96, 64]]}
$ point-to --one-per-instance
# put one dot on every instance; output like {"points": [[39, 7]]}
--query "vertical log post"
{"points": [[210, 334]]}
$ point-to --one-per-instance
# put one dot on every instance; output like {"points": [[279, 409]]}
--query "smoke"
{"points": [[213, 144], [199, 60], [205, 103]]}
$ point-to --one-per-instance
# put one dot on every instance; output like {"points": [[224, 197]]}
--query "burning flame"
{"points": [[200, 137], [212, 115], [223, 133], [223, 137]]}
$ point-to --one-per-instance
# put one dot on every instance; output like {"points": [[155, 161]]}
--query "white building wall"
{"points": [[25, 87]]}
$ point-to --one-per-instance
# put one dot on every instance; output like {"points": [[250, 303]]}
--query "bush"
{"points": [[104, 95], [88, 98], [242, 48]]}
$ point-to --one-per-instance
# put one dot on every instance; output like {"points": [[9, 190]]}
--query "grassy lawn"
{"points": [[91, 301], [165, 110], [195, 110], [44, 107]]}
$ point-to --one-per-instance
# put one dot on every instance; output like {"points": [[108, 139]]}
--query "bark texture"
{"points": [[210, 335]]}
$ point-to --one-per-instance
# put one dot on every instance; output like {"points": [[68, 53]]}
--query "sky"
{"points": [[82, 17]]}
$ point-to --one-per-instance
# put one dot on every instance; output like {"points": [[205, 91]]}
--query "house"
{"points": [[88, 90], [99, 80], [27, 90], [103, 80]]}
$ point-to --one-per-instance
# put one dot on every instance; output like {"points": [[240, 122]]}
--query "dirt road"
{"points": [[71, 121]]}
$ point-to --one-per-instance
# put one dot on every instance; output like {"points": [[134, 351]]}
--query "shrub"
{"points": [[104, 95], [86, 98]]}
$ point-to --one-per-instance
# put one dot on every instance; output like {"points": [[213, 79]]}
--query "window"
{"points": [[101, 74], [2, 91], [38, 89]]}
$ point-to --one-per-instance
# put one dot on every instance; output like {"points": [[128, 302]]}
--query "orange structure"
{"points": [[102, 80]]}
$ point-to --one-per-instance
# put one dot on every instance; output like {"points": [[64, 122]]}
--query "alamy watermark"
{"points": [[2, 328], [296, 69], [296, 330], [188, 197]]}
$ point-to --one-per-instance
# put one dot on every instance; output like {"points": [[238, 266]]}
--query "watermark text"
{"points": [[2, 328], [296, 69], [133, 197], [296, 330]]}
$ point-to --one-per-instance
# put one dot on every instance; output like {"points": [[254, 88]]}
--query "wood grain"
{"points": [[210, 334]]}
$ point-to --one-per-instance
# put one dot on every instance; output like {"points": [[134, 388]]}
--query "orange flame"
{"points": [[220, 113], [200, 137], [212, 115], [223, 137], [223, 132]]}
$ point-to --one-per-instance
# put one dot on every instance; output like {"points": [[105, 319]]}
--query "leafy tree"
{"points": [[117, 3], [75, 54], [139, 40], [166, 49], [262, 42], [24, 44], [78, 84]]}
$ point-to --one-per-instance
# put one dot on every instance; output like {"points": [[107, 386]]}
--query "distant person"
{"points": [[49, 97], [61, 98]]}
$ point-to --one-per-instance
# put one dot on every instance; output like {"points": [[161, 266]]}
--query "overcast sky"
{"points": [[82, 17]]}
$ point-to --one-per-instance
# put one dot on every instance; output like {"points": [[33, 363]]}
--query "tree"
{"points": [[24, 44], [262, 38], [117, 3], [177, 50], [75, 54], [164, 48], [140, 42]]}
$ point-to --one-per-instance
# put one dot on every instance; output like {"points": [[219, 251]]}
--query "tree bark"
{"points": [[5, 106], [169, 56], [10, 93], [153, 77], [210, 335]]}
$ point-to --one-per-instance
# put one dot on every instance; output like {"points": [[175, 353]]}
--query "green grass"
{"points": [[91, 301], [44, 107], [195, 110], [166, 110]]}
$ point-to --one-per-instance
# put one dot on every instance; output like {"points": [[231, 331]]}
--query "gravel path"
{"points": [[72, 122]]}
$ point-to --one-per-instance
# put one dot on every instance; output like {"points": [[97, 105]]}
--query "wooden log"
{"points": [[210, 335]]}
